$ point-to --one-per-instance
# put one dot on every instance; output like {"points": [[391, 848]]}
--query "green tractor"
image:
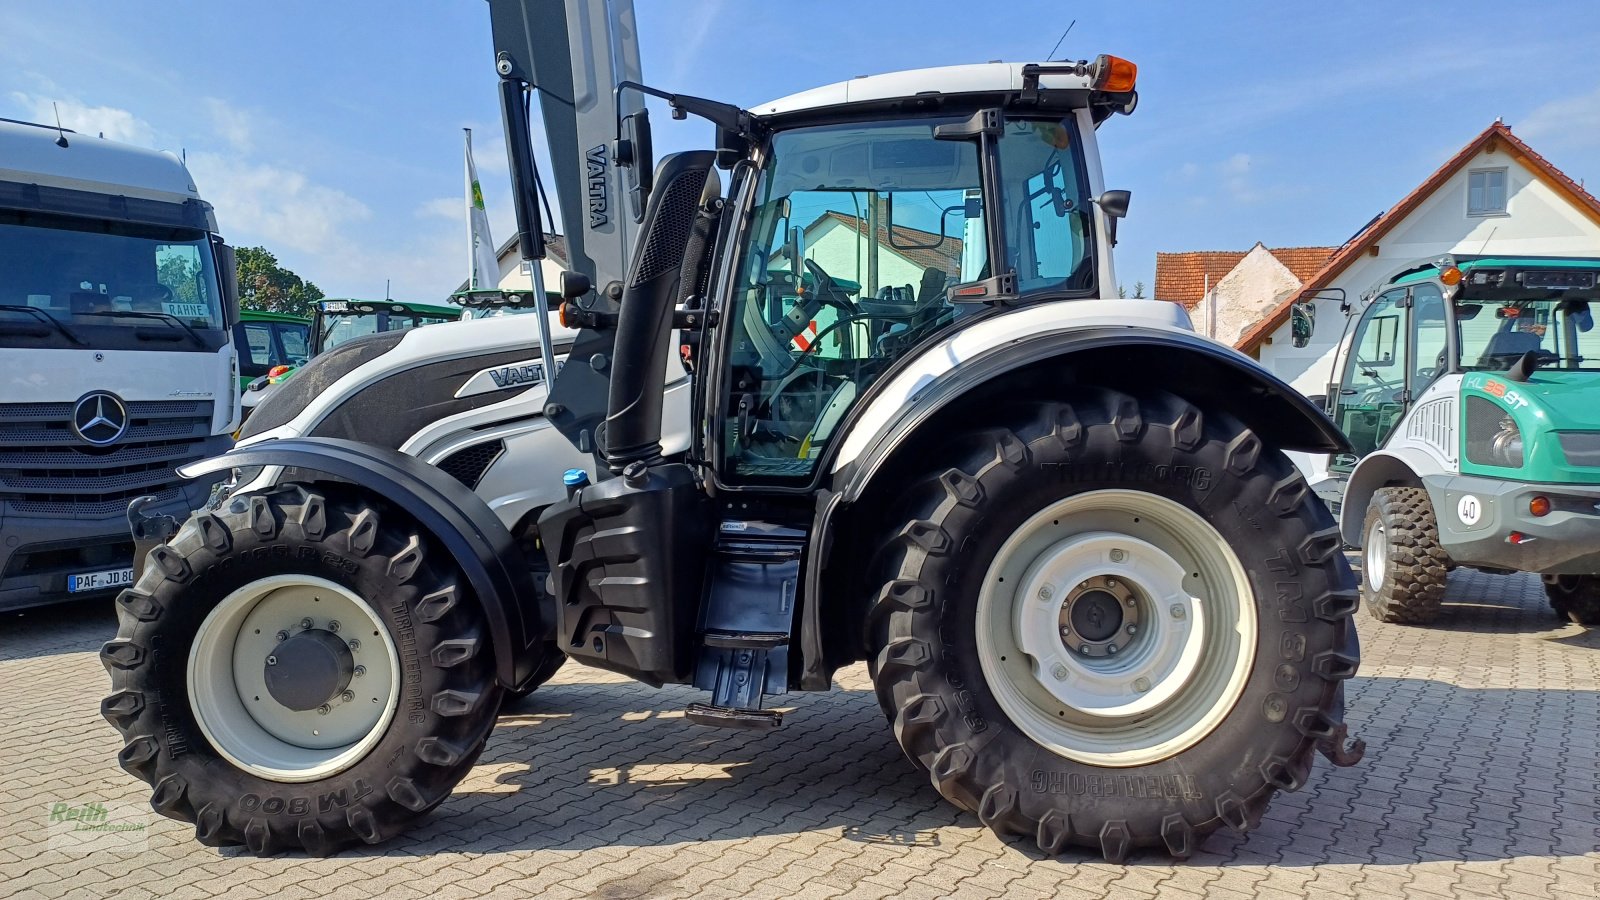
{"points": [[1470, 391], [268, 340]]}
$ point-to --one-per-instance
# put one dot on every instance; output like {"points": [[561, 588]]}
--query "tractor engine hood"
{"points": [[1550, 423]]}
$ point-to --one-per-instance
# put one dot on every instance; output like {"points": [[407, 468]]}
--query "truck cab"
{"points": [[116, 364], [1476, 380]]}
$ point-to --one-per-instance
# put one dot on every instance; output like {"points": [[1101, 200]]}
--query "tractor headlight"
{"points": [[1493, 438]]}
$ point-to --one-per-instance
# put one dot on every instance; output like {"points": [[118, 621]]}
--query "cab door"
{"points": [[1374, 391]]}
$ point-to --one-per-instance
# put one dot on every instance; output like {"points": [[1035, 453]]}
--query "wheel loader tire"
{"points": [[1404, 568], [415, 695], [1033, 543], [1575, 598]]}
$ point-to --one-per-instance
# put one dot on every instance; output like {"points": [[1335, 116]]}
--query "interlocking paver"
{"points": [[1480, 780]]}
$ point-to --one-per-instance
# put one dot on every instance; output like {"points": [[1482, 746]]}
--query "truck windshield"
{"points": [[858, 233], [76, 284], [1495, 334]]}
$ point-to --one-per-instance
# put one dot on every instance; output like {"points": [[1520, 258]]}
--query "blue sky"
{"points": [[330, 131]]}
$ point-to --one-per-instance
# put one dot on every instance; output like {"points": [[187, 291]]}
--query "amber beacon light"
{"points": [[1113, 74]]}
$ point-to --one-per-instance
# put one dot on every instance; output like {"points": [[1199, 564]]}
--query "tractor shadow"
{"points": [[70, 627], [1481, 603]]}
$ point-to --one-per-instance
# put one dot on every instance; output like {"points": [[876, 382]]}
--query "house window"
{"points": [[1486, 192]]}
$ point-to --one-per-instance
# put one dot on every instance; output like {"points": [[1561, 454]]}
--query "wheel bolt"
{"points": [[1111, 582], [1046, 592], [1141, 684], [347, 696], [360, 671], [1130, 603], [306, 623], [1176, 610], [1118, 555], [1084, 649], [1111, 648], [324, 709], [283, 635], [1060, 672], [355, 645], [272, 660], [333, 626], [1133, 629], [1066, 631]]}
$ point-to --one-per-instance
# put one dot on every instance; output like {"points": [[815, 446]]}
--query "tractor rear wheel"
{"points": [[300, 670], [1404, 567], [1117, 622], [1574, 597]]}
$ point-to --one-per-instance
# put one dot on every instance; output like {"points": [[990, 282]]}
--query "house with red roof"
{"points": [[1495, 195], [1228, 291]]}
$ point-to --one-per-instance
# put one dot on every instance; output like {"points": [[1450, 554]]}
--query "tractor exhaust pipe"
{"points": [[684, 185]]}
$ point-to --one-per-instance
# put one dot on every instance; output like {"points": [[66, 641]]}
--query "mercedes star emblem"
{"points": [[100, 418]]}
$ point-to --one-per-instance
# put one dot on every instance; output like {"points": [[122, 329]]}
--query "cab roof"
{"points": [[1430, 270], [355, 304], [980, 78], [30, 154]]}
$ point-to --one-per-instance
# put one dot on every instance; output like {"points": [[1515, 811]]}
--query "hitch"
{"points": [[149, 532]]}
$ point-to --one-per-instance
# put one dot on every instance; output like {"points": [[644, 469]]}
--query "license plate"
{"points": [[99, 581]]}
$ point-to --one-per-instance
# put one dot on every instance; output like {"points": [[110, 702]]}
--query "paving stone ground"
{"points": [[1480, 779]]}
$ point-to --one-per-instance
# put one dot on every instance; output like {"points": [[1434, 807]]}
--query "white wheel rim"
{"points": [[1183, 628], [238, 714], [1377, 555]]}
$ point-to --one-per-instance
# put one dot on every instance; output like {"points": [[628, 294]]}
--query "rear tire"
{"points": [[1575, 598], [241, 762], [1221, 741], [1404, 568]]}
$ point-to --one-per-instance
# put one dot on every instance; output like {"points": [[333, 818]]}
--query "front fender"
{"points": [[1392, 466], [1202, 371], [466, 527]]}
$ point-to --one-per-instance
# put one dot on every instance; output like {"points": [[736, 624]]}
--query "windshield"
{"points": [[71, 283], [1495, 334], [859, 231], [341, 327]]}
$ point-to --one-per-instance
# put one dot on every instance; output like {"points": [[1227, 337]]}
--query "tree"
{"points": [[267, 286], [1138, 290]]}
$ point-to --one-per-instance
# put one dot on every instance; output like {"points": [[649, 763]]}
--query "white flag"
{"points": [[485, 268]]}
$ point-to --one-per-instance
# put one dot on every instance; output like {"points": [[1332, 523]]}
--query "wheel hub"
{"points": [[1100, 616], [309, 670]]}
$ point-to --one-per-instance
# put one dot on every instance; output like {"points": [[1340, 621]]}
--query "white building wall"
{"points": [[835, 247], [1538, 222], [1244, 296]]}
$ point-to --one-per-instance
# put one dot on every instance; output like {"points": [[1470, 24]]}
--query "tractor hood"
{"points": [[1570, 401]]}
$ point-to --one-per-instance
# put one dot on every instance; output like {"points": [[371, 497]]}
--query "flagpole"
{"points": [[472, 259]]}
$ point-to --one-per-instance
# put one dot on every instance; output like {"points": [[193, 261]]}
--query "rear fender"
{"points": [[455, 516], [1202, 371]]}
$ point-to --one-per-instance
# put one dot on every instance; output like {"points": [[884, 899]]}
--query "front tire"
{"points": [[300, 671], [1404, 567], [1575, 598], [1025, 554]]}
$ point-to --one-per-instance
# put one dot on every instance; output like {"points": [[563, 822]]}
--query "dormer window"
{"points": [[1486, 192]]}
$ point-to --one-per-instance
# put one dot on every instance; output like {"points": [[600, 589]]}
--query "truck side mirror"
{"points": [[574, 285], [1302, 323], [228, 274]]}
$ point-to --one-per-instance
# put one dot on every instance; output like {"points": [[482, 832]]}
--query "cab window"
{"points": [[1371, 394]]}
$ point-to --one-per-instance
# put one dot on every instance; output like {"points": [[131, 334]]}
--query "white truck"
{"points": [[116, 296]]}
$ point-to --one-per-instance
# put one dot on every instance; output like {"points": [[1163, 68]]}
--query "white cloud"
{"points": [[452, 208], [279, 206], [1570, 123], [115, 124], [230, 123]]}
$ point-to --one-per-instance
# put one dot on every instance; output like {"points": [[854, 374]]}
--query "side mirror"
{"points": [[796, 252], [228, 274], [1302, 323], [1115, 205], [635, 151], [574, 285]]}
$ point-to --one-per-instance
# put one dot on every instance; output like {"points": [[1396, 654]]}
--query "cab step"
{"points": [[733, 717]]}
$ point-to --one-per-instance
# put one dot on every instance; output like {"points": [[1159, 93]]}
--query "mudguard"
{"points": [[483, 548], [1394, 465], [1200, 370]]}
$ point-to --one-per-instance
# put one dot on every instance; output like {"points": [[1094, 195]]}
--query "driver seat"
{"points": [[1510, 345]]}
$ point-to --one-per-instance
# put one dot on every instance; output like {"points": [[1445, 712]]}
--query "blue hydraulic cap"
{"points": [[574, 478]]}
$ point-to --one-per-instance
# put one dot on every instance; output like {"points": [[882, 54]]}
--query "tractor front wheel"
{"points": [[1404, 567], [300, 670]]}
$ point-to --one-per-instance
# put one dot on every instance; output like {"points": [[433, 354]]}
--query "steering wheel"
{"points": [[827, 290]]}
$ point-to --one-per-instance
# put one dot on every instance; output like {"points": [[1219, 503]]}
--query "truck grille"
{"points": [[45, 470]]}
